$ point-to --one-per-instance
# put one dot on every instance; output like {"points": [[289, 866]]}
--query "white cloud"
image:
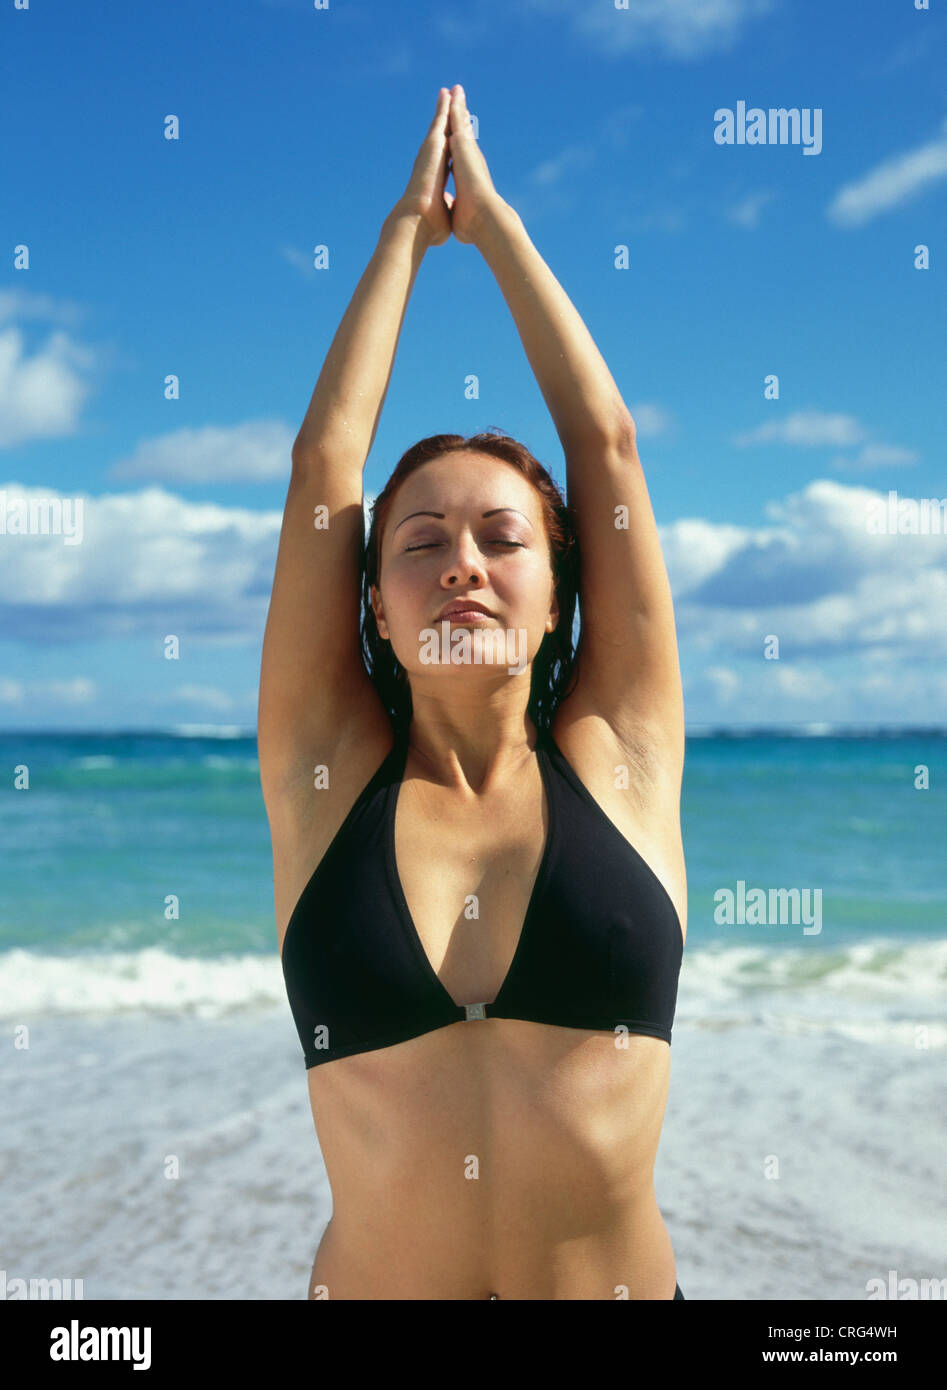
{"points": [[23, 304], [557, 167], [679, 29], [149, 562], [695, 549], [254, 451], [823, 506], [207, 695], [861, 618], [746, 213], [41, 393], [814, 429], [299, 260], [803, 682], [913, 49], [549, 183], [876, 456], [75, 690], [650, 420], [662, 219], [816, 577], [725, 681], [460, 28], [809, 428], [891, 183]]}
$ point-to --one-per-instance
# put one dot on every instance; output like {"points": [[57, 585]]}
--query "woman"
{"points": [[478, 873]]}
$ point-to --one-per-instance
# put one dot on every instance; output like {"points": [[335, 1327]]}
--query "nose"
{"points": [[464, 563]]}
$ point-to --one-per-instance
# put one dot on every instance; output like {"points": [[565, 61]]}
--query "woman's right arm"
{"points": [[313, 684]]}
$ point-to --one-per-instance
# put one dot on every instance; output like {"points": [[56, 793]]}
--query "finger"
{"points": [[434, 144], [443, 172], [460, 116], [438, 134], [441, 113], [461, 126]]}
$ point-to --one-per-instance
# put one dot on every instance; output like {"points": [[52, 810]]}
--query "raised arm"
{"points": [[627, 657], [313, 683]]}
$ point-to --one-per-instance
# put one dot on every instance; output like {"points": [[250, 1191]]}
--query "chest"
{"points": [[468, 868]]}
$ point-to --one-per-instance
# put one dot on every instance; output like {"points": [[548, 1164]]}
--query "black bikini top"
{"points": [[600, 948]]}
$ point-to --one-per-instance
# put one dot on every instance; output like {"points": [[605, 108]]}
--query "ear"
{"points": [[552, 622], [379, 612]]}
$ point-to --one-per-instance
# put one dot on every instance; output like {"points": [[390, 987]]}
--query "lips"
{"points": [[464, 605]]}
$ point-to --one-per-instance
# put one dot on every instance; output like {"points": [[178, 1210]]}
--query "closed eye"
{"points": [[427, 545]]}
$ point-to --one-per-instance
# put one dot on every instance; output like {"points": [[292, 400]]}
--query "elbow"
{"points": [[625, 430], [613, 433], [620, 440]]}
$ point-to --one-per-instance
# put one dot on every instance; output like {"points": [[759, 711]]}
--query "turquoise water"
{"points": [[113, 823], [839, 814]]}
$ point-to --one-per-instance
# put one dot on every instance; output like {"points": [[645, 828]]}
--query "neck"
{"points": [[472, 748]]}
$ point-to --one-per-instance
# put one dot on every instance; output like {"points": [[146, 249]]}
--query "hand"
{"points": [[425, 196], [475, 190]]}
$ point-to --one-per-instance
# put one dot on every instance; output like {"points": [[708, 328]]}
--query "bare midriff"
{"points": [[494, 1158]]}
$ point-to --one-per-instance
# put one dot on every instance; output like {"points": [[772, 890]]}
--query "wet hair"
{"points": [[553, 667]]}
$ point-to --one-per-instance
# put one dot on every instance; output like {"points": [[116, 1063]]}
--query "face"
{"points": [[501, 559]]}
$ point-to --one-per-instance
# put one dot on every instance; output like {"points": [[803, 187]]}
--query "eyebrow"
{"points": [[440, 515]]}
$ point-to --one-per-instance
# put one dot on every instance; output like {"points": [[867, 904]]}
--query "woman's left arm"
{"points": [[628, 659]]}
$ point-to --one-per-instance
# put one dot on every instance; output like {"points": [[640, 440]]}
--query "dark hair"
{"points": [[554, 663]]}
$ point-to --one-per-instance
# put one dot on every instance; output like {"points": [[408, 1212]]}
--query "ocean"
{"points": [[138, 958]]}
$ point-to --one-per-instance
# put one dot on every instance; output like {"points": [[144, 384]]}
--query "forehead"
{"points": [[465, 482]]}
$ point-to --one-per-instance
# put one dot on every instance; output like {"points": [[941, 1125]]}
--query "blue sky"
{"points": [[298, 127]]}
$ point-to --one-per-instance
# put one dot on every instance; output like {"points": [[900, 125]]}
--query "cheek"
{"points": [[532, 587], [406, 602], [404, 591]]}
